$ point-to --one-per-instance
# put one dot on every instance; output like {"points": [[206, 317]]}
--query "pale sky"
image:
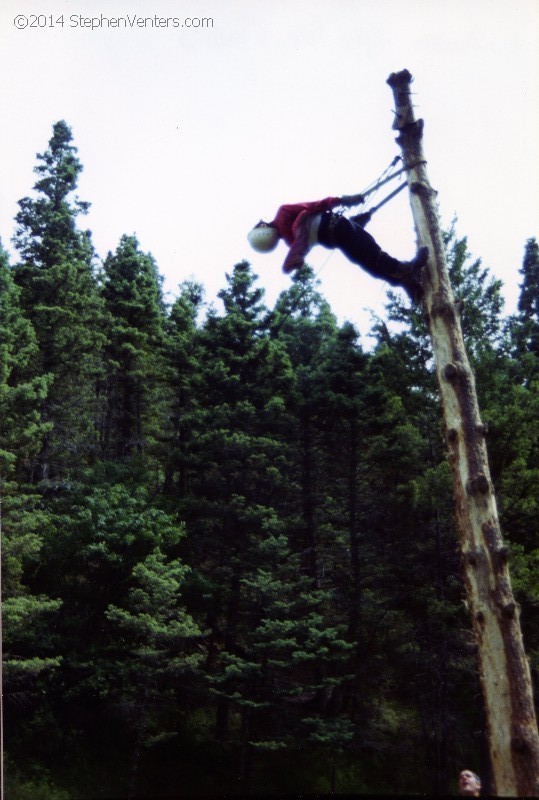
{"points": [[190, 135]]}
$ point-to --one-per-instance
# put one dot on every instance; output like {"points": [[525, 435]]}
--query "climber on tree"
{"points": [[302, 225]]}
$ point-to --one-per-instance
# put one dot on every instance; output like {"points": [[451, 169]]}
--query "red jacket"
{"points": [[292, 224]]}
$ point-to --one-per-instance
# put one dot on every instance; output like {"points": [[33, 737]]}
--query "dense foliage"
{"points": [[229, 559]]}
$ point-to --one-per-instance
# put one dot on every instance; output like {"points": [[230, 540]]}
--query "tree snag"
{"points": [[503, 668]]}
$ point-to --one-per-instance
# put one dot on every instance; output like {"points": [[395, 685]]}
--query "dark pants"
{"points": [[357, 245]]}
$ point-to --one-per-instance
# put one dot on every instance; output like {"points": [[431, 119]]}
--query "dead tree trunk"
{"points": [[503, 668]]}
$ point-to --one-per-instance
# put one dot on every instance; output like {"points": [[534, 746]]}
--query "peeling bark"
{"points": [[503, 668]]}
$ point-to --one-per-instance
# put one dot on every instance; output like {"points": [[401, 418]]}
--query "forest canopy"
{"points": [[229, 553]]}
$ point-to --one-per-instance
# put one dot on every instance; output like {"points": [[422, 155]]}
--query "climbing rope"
{"points": [[377, 184], [365, 217], [383, 178]]}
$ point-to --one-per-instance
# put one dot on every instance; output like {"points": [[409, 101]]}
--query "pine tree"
{"points": [[275, 655], [307, 325], [524, 326], [512, 411], [46, 231], [183, 354], [233, 458], [157, 657], [59, 296], [22, 389], [29, 654], [344, 391], [287, 656], [110, 556], [528, 303], [134, 352]]}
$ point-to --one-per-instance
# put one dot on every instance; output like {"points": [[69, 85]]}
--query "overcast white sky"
{"points": [[190, 135]]}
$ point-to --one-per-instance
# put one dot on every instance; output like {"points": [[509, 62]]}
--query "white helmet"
{"points": [[263, 238]]}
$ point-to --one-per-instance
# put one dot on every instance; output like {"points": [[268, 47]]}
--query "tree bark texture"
{"points": [[503, 668]]}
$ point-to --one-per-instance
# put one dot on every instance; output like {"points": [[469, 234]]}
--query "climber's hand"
{"points": [[352, 199]]}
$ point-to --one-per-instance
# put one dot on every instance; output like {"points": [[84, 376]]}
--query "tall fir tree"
{"points": [[512, 413], [59, 295], [233, 459], [183, 351], [528, 303], [274, 656], [524, 326], [30, 654], [23, 388], [134, 406], [47, 230], [306, 325]]}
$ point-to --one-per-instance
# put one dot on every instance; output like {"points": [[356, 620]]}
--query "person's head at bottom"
{"points": [[469, 784]]}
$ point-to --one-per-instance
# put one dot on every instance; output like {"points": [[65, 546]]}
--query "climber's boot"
{"points": [[404, 273]]}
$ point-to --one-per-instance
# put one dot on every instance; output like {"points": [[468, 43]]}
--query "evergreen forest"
{"points": [[230, 563]]}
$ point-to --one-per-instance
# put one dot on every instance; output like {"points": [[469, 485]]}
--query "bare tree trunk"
{"points": [[503, 668]]}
